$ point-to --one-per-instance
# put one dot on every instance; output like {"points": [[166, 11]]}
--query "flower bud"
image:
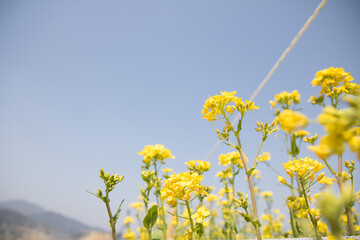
{"points": [[99, 192], [320, 176], [101, 172], [121, 178], [282, 180]]}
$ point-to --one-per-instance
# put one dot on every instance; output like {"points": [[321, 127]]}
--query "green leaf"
{"points": [[157, 235], [294, 148], [150, 219], [117, 214], [199, 229], [250, 171]]}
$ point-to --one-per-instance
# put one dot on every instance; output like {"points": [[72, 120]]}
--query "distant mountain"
{"points": [[25, 215], [23, 207], [11, 217]]}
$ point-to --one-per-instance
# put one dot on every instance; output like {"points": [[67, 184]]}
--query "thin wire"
{"points": [[282, 57]]}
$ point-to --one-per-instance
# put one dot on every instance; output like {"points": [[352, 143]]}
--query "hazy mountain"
{"points": [[23, 207], [20, 216]]}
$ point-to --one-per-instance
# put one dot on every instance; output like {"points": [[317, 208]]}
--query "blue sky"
{"points": [[86, 85]]}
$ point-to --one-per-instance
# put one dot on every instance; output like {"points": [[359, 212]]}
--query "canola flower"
{"points": [[291, 120], [155, 153], [198, 166], [285, 99], [334, 83], [182, 186], [218, 107], [303, 167]]}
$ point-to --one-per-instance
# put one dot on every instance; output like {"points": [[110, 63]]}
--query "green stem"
{"points": [[341, 188], [257, 154], [162, 211], [251, 186], [190, 219], [112, 224], [314, 223]]}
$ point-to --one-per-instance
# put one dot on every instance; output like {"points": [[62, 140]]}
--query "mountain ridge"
{"points": [[23, 214]]}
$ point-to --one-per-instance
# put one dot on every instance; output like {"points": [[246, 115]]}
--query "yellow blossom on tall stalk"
{"points": [[303, 167], [340, 124], [154, 155], [198, 166], [157, 152], [304, 171], [335, 83], [291, 120], [182, 186], [222, 108], [185, 187], [285, 99]]}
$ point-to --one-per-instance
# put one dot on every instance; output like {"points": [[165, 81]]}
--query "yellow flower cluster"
{"points": [[285, 99], [290, 120], [337, 124], [231, 158], [267, 194], [157, 152], [198, 166], [264, 157], [226, 103], [128, 220], [299, 203], [334, 82], [200, 214], [303, 167], [182, 186]]}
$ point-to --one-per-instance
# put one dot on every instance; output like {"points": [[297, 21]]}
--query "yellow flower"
{"points": [[128, 220], [301, 133], [282, 180], [211, 198], [225, 173], [129, 234], [327, 181], [137, 205], [200, 214], [264, 157], [334, 82], [290, 120], [303, 213], [217, 106], [354, 144], [322, 227], [231, 158], [302, 167], [167, 170], [311, 139], [182, 186], [267, 194], [157, 153], [285, 99], [214, 106], [198, 166]]}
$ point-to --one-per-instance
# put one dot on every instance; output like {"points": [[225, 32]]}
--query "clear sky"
{"points": [[87, 84]]}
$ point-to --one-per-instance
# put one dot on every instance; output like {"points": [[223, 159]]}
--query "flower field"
{"points": [[321, 196]]}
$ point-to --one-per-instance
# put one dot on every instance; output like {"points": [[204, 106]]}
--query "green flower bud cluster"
{"points": [[266, 129], [109, 180], [242, 201]]}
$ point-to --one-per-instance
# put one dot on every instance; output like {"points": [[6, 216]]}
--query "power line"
{"points": [[282, 57]]}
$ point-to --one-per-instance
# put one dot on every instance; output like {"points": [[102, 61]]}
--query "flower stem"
{"points": [[251, 186], [112, 224], [314, 223], [190, 219], [341, 188]]}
